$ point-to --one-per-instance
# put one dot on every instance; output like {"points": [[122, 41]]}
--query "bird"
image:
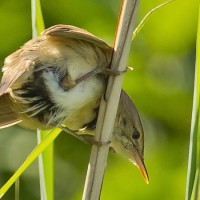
{"points": [[57, 80]]}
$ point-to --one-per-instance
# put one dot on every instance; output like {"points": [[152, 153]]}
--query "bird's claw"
{"points": [[92, 141], [118, 72]]}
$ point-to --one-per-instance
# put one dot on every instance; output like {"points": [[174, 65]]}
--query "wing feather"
{"points": [[21, 64], [68, 31], [17, 66]]}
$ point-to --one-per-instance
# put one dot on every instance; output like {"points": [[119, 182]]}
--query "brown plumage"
{"points": [[66, 53], [57, 79]]}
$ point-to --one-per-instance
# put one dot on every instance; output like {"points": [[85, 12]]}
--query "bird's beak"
{"points": [[140, 164]]}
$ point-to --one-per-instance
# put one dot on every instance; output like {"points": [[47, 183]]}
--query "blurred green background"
{"points": [[161, 85]]}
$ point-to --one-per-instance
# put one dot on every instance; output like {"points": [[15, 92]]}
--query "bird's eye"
{"points": [[136, 135]]}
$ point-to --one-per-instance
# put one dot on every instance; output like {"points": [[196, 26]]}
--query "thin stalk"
{"points": [[147, 17], [46, 168], [46, 159], [17, 190], [37, 18], [192, 186], [109, 104]]}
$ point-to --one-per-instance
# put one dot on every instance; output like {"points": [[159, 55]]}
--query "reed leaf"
{"points": [[193, 185]]}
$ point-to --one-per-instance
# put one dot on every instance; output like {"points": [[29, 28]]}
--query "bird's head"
{"points": [[128, 135]]}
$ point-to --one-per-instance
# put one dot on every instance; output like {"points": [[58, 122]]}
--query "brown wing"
{"points": [[16, 65], [20, 65], [7, 116], [68, 31]]}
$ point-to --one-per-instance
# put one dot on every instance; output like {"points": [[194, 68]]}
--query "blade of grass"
{"points": [[37, 18], [147, 17], [196, 187], [33, 155], [192, 185], [46, 159], [46, 168]]}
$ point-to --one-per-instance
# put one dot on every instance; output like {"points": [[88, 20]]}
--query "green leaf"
{"points": [[192, 187]]}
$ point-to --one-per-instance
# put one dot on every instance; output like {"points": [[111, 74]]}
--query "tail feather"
{"points": [[7, 116]]}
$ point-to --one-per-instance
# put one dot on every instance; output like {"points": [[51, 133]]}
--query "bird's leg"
{"points": [[105, 71], [93, 72], [88, 139], [68, 83]]}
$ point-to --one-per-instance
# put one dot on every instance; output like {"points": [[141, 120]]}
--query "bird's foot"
{"points": [[112, 72], [88, 139]]}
